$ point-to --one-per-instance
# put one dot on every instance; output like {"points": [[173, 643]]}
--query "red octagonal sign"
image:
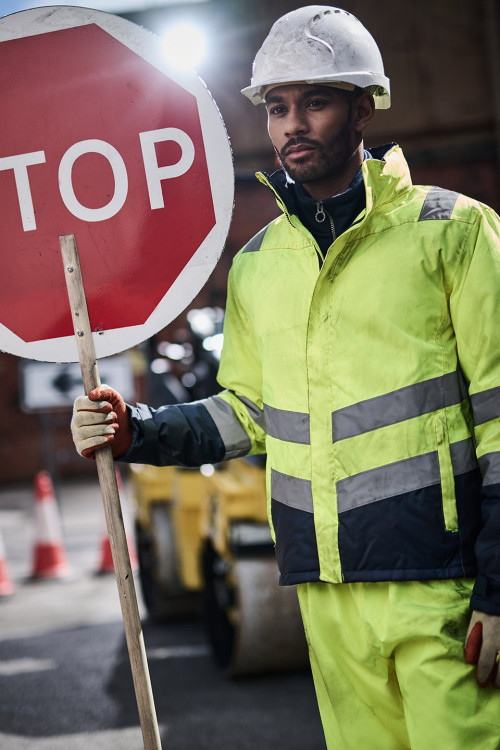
{"points": [[99, 138]]}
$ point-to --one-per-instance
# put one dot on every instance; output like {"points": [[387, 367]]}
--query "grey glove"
{"points": [[482, 646], [99, 419]]}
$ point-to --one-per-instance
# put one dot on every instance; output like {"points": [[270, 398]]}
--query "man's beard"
{"points": [[332, 162]]}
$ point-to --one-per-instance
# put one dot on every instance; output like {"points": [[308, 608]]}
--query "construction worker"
{"points": [[361, 353]]}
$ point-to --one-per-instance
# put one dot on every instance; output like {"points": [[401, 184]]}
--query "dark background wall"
{"points": [[443, 58]]}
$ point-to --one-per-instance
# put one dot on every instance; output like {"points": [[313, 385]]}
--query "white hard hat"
{"points": [[319, 44]]}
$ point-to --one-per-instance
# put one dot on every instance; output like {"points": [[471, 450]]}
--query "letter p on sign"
{"points": [[154, 173]]}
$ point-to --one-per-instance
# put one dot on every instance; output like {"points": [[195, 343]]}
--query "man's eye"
{"points": [[315, 103], [278, 110]]}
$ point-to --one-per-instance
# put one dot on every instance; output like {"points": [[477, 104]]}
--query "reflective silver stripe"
{"points": [[485, 405], [403, 476], [463, 456], [388, 481], [255, 413], [255, 243], [490, 468], [234, 437], [291, 491], [439, 204], [292, 426], [397, 406]]}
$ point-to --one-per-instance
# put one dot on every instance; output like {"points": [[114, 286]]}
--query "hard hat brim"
{"points": [[377, 85]]}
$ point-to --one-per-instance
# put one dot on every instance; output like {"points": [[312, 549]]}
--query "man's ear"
{"points": [[363, 110]]}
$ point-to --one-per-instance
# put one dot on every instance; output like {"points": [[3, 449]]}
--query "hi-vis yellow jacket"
{"points": [[362, 369], [373, 385]]}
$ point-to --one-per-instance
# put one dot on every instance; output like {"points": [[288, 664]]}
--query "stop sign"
{"points": [[101, 139]]}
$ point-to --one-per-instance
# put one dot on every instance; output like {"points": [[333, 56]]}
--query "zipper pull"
{"points": [[320, 213]]}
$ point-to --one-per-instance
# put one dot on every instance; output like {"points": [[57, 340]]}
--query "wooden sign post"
{"points": [[111, 501]]}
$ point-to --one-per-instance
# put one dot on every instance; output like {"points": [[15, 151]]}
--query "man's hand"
{"points": [[101, 419], [482, 646]]}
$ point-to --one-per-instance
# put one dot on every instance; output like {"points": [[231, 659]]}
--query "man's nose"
{"points": [[296, 123]]}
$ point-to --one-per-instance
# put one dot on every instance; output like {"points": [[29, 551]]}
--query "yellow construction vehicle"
{"points": [[204, 547], [203, 540]]}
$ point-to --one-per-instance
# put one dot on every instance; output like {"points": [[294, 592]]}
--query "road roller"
{"points": [[205, 550]]}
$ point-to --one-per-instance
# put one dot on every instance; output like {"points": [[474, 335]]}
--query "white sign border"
{"points": [[220, 169]]}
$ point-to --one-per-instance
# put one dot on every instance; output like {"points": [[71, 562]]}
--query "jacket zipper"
{"points": [[264, 180], [320, 217]]}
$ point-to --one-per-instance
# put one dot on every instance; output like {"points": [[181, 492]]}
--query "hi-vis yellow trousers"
{"points": [[389, 669]]}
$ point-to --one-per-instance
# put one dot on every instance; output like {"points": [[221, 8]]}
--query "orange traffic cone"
{"points": [[106, 558], [6, 585], [49, 557]]}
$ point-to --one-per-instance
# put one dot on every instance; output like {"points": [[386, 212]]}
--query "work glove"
{"points": [[482, 646], [101, 419]]}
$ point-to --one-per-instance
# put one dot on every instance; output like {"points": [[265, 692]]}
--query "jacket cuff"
{"points": [[144, 434], [486, 596]]}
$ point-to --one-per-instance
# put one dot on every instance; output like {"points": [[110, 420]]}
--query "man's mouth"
{"points": [[299, 151]]}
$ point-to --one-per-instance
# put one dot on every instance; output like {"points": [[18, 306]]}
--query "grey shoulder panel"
{"points": [[439, 204], [255, 243]]}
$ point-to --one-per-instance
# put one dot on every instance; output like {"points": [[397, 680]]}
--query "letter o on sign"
{"points": [[119, 173]]}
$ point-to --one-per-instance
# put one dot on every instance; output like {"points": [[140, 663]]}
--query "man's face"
{"points": [[311, 130]]}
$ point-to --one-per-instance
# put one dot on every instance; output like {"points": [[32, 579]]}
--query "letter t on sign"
{"points": [[19, 164]]}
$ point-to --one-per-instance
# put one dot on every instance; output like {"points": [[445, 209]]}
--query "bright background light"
{"points": [[184, 46]]}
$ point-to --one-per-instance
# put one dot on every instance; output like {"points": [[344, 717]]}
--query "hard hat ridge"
{"points": [[319, 44]]}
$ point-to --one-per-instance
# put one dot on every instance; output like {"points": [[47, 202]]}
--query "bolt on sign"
{"points": [[100, 138]]}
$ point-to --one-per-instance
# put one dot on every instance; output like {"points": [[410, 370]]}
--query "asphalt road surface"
{"points": [[65, 679]]}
